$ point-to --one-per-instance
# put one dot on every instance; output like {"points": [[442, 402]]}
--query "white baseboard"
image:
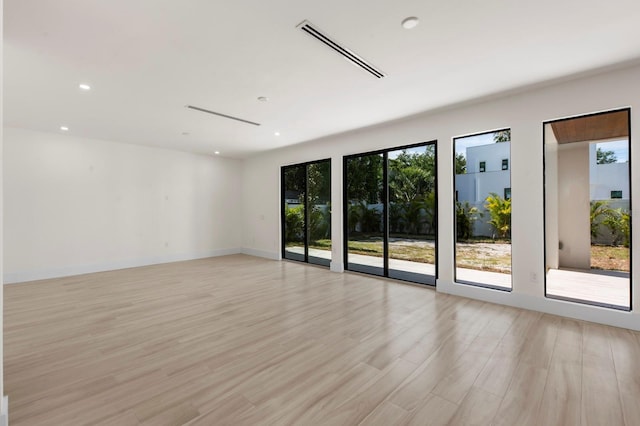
{"points": [[23, 276], [562, 308], [261, 253]]}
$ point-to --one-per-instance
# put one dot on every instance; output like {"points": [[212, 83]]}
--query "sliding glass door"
{"points": [[390, 213], [412, 214], [365, 210], [306, 212]]}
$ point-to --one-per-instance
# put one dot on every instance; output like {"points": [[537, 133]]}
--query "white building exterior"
{"points": [[488, 171], [605, 180]]}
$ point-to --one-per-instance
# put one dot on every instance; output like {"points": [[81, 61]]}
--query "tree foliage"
{"points": [[364, 178], [319, 182], [461, 164], [294, 223], [502, 136], [466, 216], [617, 221], [500, 212], [411, 176], [605, 157], [369, 218]]}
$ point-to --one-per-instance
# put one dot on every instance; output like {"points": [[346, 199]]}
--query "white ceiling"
{"points": [[147, 59]]}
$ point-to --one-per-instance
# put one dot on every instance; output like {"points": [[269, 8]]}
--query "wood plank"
{"points": [[243, 341]]}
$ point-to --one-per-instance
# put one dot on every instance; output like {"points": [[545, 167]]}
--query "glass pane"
{"points": [[319, 202], [588, 209], [483, 209], [294, 214], [364, 194], [412, 214]]}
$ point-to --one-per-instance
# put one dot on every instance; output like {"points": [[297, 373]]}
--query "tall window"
{"points": [[390, 213], [483, 210], [588, 209], [306, 212]]}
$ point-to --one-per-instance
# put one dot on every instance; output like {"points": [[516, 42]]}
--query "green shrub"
{"points": [[294, 223], [500, 211], [465, 218], [319, 223]]}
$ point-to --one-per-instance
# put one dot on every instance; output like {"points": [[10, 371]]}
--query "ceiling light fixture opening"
{"points": [[277, 133], [410, 22], [84, 86], [64, 128], [217, 152], [263, 98]]}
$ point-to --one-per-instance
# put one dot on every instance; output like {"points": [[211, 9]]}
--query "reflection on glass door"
{"points": [[390, 213], [306, 212], [412, 214], [294, 212], [588, 209], [364, 213], [319, 207], [482, 173]]}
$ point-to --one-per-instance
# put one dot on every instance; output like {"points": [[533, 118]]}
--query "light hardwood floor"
{"points": [[238, 340]]}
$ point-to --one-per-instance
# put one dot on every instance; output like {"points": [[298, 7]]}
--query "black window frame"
{"points": [[283, 200], [455, 231], [544, 214], [385, 212]]}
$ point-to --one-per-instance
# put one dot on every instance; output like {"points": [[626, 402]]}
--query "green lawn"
{"points": [[484, 255], [610, 258]]}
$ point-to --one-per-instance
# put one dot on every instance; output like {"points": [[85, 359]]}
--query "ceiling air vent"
{"points": [[219, 114], [314, 32]]}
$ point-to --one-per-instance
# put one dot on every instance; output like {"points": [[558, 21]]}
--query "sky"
{"points": [[417, 150], [620, 148], [470, 141]]}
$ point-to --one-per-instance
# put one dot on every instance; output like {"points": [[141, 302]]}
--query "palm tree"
{"points": [[500, 212]]}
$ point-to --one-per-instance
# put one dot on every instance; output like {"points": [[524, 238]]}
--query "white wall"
{"points": [[75, 205], [4, 406], [574, 224], [524, 114]]}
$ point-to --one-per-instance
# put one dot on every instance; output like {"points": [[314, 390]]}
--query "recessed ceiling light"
{"points": [[185, 133], [217, 153], [84, 86], [277, 133], [410, 22], [64, 128], [263, 98]]}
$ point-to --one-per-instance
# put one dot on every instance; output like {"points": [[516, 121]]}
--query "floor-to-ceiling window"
{"points": [[390, 211], [482, 205], [588, 209], [306, 212]]}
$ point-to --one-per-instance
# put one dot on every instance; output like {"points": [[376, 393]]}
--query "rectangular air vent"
{"points": [[313, 31], [219, 114]]}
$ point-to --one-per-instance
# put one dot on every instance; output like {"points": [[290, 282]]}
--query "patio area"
{"points": [[601, 287]]}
